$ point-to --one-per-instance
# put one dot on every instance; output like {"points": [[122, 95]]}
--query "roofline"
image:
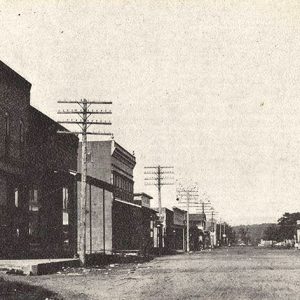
{"points": [[149, 208], [127, 203], [14, 73], [143, 194], [175, 207], [126, 151], [49, 119], [115, 146]]}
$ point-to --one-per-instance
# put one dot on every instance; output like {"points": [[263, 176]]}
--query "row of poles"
{"points": [[155, 175], [187, 195]]}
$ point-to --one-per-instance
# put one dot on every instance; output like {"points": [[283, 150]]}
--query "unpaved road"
{"points": [[235, 273]]}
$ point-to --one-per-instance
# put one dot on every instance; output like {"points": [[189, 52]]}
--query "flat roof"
{"points": [[143, 194]]}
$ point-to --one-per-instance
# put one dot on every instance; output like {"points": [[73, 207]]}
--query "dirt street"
{"points": [[234, 273]]}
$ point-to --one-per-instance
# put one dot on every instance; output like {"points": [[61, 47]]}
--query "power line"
{"points": [[159, 180], [187, 193], [84, 123]]}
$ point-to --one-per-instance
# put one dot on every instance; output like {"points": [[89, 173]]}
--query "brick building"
{"points": [[14, 112], [52, 189], [33, 194]]}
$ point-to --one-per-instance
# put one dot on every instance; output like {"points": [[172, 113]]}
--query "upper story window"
{"points": [[33, 200], [65, 198], [65, 206], [21, 137], [7, 125], [22, 133], [16, 192], [7, 133]]}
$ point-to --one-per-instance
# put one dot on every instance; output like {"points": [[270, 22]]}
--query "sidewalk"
{"points": [[36, 266]]}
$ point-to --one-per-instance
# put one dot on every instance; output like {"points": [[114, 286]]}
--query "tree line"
{"points": [[284, 229]]}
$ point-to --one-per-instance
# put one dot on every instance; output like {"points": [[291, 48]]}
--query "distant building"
{"points": [[111, 163], [148, 233], [198, 220], [197, 231], [179, 228], [142, 199], [168, 235]]}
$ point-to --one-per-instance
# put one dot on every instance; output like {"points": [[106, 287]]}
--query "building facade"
{"points": [[111, 163], [197, 231], [14, 112], [52, 190], [179, 228], [149, 218], [32, 157], [168, 230]]}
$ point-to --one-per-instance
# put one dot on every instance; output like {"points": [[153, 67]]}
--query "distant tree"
{"points": [[271, 233], [230, 233], [243, 234], [287, 225], [250, 233]]}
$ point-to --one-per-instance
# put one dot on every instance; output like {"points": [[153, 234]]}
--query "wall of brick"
{"points": [[31, 163], [14, 104]]}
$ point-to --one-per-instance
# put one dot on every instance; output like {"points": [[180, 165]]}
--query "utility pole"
{"points": [[213, 226], [188, 221], [224, 233], [158, 180], [184, 196], [220, 234], [84, 123]]}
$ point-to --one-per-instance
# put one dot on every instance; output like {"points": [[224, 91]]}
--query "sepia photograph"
{"points": [[149, 149]]}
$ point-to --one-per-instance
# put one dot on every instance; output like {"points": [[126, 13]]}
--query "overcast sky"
{"points": [[211, 87]]}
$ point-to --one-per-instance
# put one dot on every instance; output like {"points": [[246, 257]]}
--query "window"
{"points": [[22, 137], [16, 192], [7, 125], [33, 200], [7, 133], [65, 206], [34, 221], [65, 198]]}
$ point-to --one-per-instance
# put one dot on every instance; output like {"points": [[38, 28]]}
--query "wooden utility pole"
{"points": [[220, 233], [159, 180], [196, 204], [188, 221], [84, 123], [184, 196], [224, 233]]}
